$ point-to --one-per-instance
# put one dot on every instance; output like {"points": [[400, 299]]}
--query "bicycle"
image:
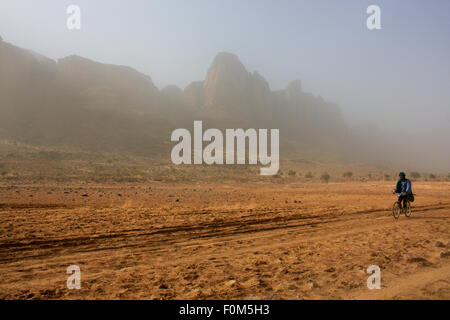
{"points": [[396, 210]]}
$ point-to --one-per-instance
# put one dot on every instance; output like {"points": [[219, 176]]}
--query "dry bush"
{"points": [[348, 174], [325, 177], [415, 175], [292, 173]]}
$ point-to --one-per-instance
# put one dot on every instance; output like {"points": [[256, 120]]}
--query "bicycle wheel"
{"points": [[408, 209], [396, 210]]}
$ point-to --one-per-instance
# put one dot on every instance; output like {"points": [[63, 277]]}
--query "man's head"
{"points": [[402, 175]]}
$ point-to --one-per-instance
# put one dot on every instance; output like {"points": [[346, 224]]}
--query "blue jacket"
{"points": [[403, 186]]}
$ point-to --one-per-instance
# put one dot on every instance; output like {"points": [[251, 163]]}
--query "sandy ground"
{"points": [[245, 241]]}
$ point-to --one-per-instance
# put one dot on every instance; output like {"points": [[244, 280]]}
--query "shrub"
{"points": [[50, 155], [387, 176], [309, 175], [325, 177], [348, 174], [415, 175], [432, 176], [292, 173]]}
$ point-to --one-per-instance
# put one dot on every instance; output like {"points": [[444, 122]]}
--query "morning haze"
{"points": [[377, 96], [224, 150]]}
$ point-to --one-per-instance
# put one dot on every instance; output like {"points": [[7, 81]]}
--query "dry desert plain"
{"points": [[256, 240]]}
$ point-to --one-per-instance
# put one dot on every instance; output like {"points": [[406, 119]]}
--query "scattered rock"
{"points": [[284, 271], [410, 258], [48, 292], [230, 283], [311, 285], [445, 254], [440, 244], [84, 195], [330, 269], [260, 262]]}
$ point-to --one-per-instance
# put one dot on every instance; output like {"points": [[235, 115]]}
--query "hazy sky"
{"points": [[399, 74]]}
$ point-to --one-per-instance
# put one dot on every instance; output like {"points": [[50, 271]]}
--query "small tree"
{"points": [[348, 174], [325, 177], [415, 175], [369, 176], [3, 172], [292, 173]]}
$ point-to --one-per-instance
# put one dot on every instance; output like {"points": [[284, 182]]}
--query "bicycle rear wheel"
{"points": [[408, 209], [396, 210]]}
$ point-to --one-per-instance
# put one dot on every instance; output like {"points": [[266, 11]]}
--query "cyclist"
{"points": [[404, 190]]}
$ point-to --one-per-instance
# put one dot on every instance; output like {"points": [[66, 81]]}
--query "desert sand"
{"points": [[257, 240]]}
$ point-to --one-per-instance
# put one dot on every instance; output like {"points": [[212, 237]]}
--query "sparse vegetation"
{"points": [[415, 175], [325, 177], [292, 173], [432, 176], [29, 164], [348, 174], [387, 176]]}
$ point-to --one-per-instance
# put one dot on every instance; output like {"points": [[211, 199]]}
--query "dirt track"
{"points": [[263, 241]]}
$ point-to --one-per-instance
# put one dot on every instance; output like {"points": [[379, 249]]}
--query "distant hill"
{"points": [[79, 102]]}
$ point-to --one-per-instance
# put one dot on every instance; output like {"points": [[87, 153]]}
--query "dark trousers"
{"points": [[403, 199]]}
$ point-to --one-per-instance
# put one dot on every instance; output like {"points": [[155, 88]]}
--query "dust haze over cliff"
{"points": [[336, 91], [79, 102]]}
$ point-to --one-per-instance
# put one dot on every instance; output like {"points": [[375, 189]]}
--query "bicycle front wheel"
{"points": [[396, 210]]}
